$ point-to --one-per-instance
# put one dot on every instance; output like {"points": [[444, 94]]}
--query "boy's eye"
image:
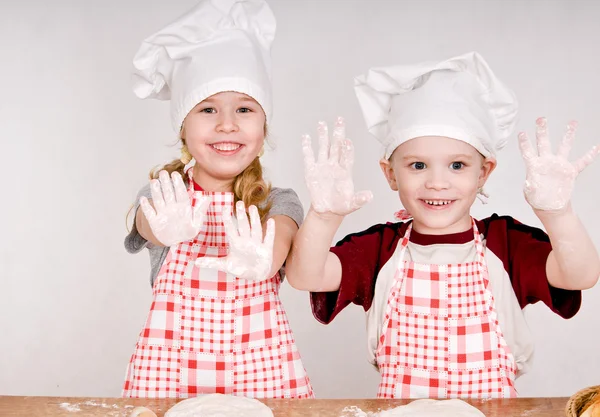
{"points": [[457, 165], [244, 110], [418, 165], [208, 110]]}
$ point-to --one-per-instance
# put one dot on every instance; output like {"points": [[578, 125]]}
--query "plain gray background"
{"points": [[76, 145]]}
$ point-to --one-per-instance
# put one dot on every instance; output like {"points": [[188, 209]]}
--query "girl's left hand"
{"points": [[250, 256], [550, 178]]}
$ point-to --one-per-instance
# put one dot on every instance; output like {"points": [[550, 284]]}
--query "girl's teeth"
{"points": [[437, 202], [226, 146]]}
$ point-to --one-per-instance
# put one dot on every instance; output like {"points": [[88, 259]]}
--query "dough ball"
{"points": [[142, 412], [219, 405]]}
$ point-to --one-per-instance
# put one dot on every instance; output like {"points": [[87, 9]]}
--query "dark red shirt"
{"points": [[522, 249]]}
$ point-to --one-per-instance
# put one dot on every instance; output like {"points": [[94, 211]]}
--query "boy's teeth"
{"points": [[226, 146], [437, 202]]}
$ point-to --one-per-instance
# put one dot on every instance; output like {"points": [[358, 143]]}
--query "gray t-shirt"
{"points": [[285, 202]]}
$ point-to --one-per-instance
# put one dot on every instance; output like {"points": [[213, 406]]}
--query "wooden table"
{"points": [[121, 407]]}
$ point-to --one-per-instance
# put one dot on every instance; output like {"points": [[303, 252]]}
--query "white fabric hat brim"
{"points": [[459, 98], [220, 45]]}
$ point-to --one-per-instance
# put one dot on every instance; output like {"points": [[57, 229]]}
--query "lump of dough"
{"points": [[219, 405], [142, 412], [433, 408]]}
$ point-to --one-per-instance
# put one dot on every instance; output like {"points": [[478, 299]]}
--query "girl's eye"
{"points": [[208, 110], [457, 165], [244, 110], [418, 165]]}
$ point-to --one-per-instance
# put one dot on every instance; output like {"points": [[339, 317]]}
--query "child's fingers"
{"points": [[323, 142], [255, 226], [200, 210], [361, 198], [147, 210], [541, 134], [567, 141], [230, 229], [270, 235], [167, 187], [339, 134], [347, 157], [309, 157], [587, 159], [242, 219], [157, 195], [181, 194], [526, 148]]}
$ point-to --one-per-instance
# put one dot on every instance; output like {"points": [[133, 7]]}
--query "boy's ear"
{"points": [[388, 171], [488, 165]]}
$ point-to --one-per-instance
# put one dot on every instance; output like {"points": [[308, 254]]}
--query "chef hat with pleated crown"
{"points": [[459, 98], [220, 45]]}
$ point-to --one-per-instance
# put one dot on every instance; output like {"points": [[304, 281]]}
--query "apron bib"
{"points": [[211, 332], [440, 337]]}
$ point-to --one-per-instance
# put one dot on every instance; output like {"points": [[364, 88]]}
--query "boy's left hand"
{"points": [[250, 257], [550, 178]]}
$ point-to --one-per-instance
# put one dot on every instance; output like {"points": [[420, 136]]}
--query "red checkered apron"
{"points": [[440, 336], [210, 332]]}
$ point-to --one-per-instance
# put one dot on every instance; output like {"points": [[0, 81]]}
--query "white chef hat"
{"points": [[460, 98], [220, 45]]}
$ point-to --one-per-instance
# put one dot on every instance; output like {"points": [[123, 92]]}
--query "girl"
{"points": [[216, 324], [443, 292]]}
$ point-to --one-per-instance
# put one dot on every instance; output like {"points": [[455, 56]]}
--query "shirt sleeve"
{"points": [[525, 254], [134, 242], [286, 202], [361, 255]]}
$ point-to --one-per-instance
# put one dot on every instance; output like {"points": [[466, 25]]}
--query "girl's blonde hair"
{"points": [[249, 186]]}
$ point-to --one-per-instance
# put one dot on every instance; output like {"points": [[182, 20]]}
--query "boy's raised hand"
{"points": [[329, 178], [551, 177]]}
